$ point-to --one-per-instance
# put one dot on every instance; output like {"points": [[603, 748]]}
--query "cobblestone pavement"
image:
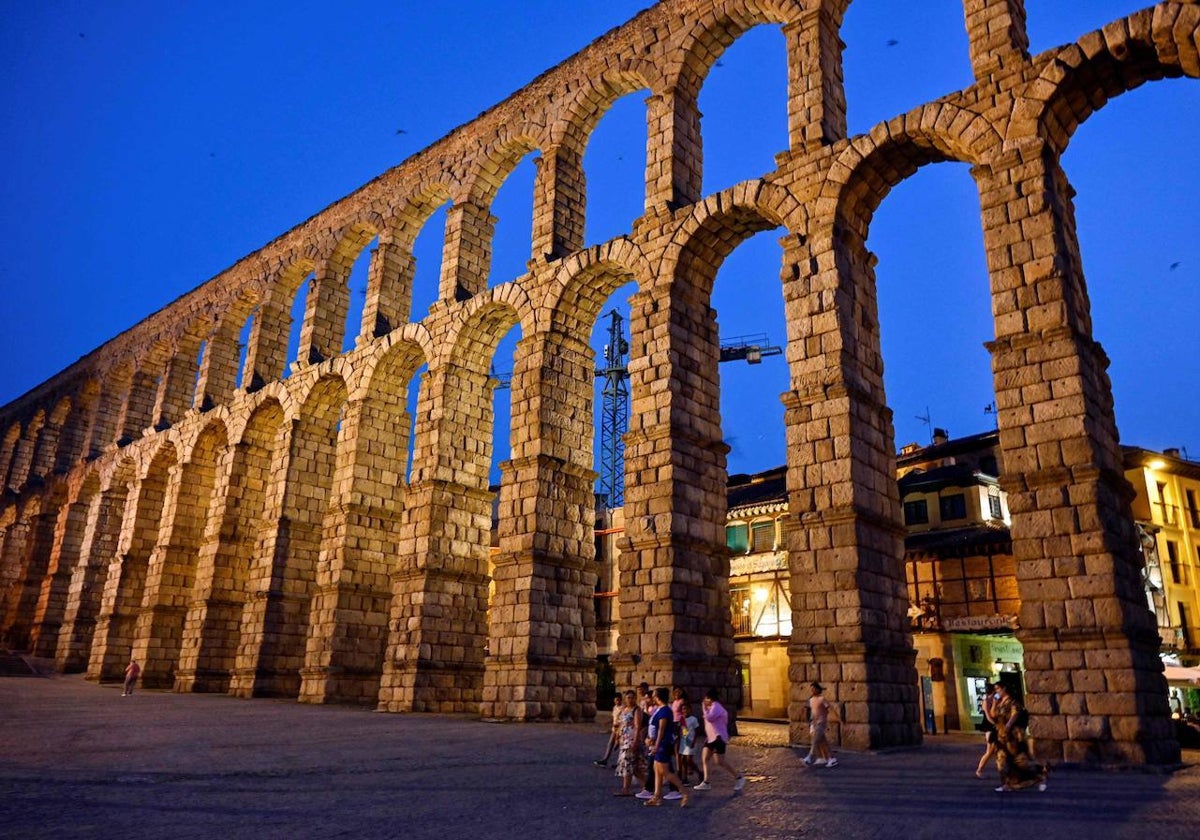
{"points": [[77, 760]]}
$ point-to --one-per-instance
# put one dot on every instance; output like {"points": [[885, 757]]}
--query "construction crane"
{"points": [[614, 412], [751, 349], [614, 396]]}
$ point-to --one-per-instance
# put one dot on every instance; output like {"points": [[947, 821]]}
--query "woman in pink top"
{"points": [[716, 726]]}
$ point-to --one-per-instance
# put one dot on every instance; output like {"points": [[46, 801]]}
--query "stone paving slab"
{"points": [[77, 760]]}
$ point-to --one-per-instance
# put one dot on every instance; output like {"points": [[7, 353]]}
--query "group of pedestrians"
{"points": [[1006, 726], [656, 732]]}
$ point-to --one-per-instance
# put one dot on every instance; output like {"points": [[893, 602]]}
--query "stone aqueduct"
{"points": [[264, 539]]}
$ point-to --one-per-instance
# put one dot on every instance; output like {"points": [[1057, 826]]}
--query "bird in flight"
{"points": [[401, 131], [891, 42], [1175, 265]]}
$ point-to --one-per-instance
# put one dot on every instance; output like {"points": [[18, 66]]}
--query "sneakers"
{"points": [[600, 763], [1001, 789], [672, 795], [740, 783], [1042, 787], [644, 794], [702, 786], [833, 762], [820, 762], [808, 761]]}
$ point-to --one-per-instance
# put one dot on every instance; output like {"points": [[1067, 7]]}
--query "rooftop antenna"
{"points": [[991, 409], [928, 421]]}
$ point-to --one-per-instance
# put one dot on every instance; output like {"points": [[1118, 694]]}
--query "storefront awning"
{"points": [[1180, 676]]}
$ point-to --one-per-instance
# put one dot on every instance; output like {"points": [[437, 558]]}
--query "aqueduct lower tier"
{"points": [[243, 530]]}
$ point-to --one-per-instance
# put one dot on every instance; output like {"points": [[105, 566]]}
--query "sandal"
{"points": [[622, 793], [652, 803]]}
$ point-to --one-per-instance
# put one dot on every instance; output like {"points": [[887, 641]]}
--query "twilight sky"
{"points": [[149, 145]]}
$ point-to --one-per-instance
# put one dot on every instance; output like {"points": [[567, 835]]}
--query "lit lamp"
{"points": [[1157, 464]]}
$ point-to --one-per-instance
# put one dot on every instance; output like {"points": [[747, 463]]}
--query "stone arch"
{"points": [[714, 229], [8, 452], [716, 33], [482, 322], [592, 101], [239, 514], [1079, 79], [491, 168], [21, 466], [221, 371], [348, 624], [573, 133], [365, 378], [391, 287], [24, 566], [61, 596], [125, 587], [48, 440], [585, 281], [283, 571], [72, 443], [873, 164], [268, 354], [174, 564]]}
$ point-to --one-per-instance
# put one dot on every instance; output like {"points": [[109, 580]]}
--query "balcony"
{"points": [[1167, 514]]}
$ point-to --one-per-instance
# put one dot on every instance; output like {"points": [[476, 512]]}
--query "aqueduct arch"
{"points": [[268, 538]]}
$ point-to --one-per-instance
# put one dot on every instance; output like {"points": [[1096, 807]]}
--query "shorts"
{"points": [[665, 753], [717, 745]]}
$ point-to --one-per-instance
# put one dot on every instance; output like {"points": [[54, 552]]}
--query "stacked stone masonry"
{"points": [[253, 532]]}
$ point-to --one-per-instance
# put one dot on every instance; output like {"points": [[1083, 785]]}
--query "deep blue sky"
{"points": [[147, 146]]}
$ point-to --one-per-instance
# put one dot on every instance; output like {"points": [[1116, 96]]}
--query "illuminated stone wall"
{"points": [[245, 531]]}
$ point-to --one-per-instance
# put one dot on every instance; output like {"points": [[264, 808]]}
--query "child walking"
{"points": [[687, 743]]}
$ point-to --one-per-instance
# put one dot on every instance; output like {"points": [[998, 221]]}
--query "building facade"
{"points": [[963, 593]]}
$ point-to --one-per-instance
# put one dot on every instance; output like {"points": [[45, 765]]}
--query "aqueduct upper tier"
{"points": [[247, 522]]}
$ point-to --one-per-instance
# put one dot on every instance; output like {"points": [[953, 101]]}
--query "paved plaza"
{"points": [[78, 760]]}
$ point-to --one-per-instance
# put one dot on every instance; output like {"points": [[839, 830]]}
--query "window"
{"points": [[994, 507], [762, 536], [988, 465], [1193, 511], [916, 513], [739, 609], [953, 507], [760, 609], [736, 538], [1178, 571]]}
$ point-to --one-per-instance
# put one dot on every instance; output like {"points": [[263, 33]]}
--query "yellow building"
{"points": [[1167, 512], [964, 601]]}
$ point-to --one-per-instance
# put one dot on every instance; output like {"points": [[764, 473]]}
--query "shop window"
{"points": [[760, 609], [953, 507], [762, 536], [740, 609], [737, 538], [916, 513]]}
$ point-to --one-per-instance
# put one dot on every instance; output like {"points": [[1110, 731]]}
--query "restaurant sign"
{"points": [[970, 623]]}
